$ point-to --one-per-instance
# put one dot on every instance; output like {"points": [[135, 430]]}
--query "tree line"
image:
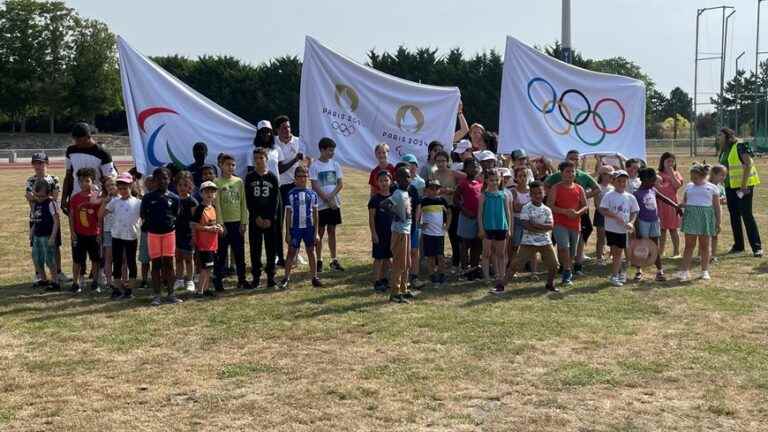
{"points": [[57, 68]]}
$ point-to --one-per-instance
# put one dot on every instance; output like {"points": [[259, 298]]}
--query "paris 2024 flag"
{"points": [[360, 107], [549, 107], [166, 117]]}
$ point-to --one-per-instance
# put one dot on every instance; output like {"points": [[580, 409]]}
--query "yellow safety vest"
{"points": [[736, 170]]}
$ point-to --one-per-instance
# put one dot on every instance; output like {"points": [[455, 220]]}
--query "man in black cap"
{"points": [[84, 153]]}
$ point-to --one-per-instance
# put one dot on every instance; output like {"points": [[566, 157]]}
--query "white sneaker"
{"points": [[683, 276], [179, 284], [196, 278], [190, 286], [623, 278], [705, 275], [616, 281]]}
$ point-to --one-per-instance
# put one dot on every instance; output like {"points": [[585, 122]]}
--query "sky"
{"points": [[658, 35]]}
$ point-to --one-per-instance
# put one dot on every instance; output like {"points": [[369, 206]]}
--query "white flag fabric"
{"points": [[166, 117], [549, 107], [359, 107]]}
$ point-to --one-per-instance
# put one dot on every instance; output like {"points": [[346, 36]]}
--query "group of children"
{"points": [[498, 220]]}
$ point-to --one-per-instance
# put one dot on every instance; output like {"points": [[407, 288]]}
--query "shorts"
{"points": [[434, 246], [162, 245], [467, 228], [648, 229], [527, 252], [206, 259], [85, 246], [599, 220], [415, 236], [382, 249], [329, 216], [106, 239], [143, 248], [566, 239], [306, 235], [42, 252], [498, 235], [618, 240], [517, 234]]}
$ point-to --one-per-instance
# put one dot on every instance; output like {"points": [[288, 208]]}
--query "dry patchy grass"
{"points": [[645, 357]]}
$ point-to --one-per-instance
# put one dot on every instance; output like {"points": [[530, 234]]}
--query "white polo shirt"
{"points": [[288, 152]]}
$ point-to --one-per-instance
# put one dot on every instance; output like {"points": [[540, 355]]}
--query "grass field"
{"points": [[644, 357]]}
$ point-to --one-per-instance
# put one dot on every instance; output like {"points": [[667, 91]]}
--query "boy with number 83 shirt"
{"points": [[262, 196]]}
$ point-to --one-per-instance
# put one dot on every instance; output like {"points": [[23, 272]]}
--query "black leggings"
{"points": [[453, 236], [738, 209], [123, 248]]}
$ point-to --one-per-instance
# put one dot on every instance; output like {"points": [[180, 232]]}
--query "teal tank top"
{"points": [[494, 211]]}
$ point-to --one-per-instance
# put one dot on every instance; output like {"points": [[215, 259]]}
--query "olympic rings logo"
{"points": [[571, 122], [343, 128]]}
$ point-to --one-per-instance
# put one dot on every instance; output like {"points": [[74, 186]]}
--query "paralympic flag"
{"points": [[549, 107], [166, 117], [360, 107]]}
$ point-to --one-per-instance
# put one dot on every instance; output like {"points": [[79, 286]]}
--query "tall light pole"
{"points": [[736, 73], [721, 114], [757, 68], [565, 35]]}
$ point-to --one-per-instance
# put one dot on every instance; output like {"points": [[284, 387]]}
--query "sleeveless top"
{"points": [[494, 211]]}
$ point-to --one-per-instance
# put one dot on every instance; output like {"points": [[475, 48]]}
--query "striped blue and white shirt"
{"points": [[302, 202]]}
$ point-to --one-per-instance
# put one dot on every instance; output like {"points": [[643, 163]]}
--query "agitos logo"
{"points": [[409, 119], [151, 156], [346, 97]]}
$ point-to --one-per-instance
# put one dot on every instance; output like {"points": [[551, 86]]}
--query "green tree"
{"points": [[93, 70], [679, 103], [57, 47]]}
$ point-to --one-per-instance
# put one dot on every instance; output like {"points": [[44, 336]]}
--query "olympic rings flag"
{"points": [[360, 107], [549, 107], [166, 117]]}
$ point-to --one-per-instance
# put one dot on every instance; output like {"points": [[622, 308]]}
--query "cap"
{"points": [[519, 154], [39, 157], [462, 146], [263, 124], [410, 159], [124, 178], [620, 173], [208, 185], [505, 172], [484, 155], [434, 183]]}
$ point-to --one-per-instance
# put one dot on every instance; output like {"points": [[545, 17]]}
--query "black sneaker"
{"points": [[398, 299], [498, 289], [316, 282], [143, 284], [758, 253], [156, 301], [116, 294], [209, 293], [198, 296], [552, 288], [433, 278], [172, 299], [127, 294], [733, 251], [218, 285], [380, 286], [335, 266], [75, 289], [54, 287], [271, 282], [408, 294], [244, 285], [319, 266]]}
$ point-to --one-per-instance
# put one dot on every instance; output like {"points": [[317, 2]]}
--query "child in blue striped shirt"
{"points": [[301, 218]]}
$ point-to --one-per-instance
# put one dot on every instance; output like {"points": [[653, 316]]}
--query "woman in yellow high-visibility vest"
{"points": [[740, 189]]}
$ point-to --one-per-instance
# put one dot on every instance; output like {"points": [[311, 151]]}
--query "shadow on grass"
{"points": [[761, 268], [511, 294]]}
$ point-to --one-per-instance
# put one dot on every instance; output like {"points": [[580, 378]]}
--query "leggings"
{"points": [[123, 248], [453, 236]]}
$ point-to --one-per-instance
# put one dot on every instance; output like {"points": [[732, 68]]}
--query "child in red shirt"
{"points": [[382, 156], [568, 202], [206, 237], [84, 228], [468, 200]]}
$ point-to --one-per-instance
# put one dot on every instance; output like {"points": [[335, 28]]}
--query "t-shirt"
{"points": [[470, 195], [373, 179], [433, 211], [646, 200], [106, 223], [538, 214], [581, 178], [42, 217], [700, 195], [327, 175], [633, 184], [207, 241], [622, 204], [196, 169], [53, 183], [274, 156], [302, 202], [287, 153], [186, 208], [230, 200], [126, 216], [382, 219], [95, 157], [568, 198], [159, 211], [419, 183], [521, 199], [262, 194], [399, 204], [84, 212]]}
